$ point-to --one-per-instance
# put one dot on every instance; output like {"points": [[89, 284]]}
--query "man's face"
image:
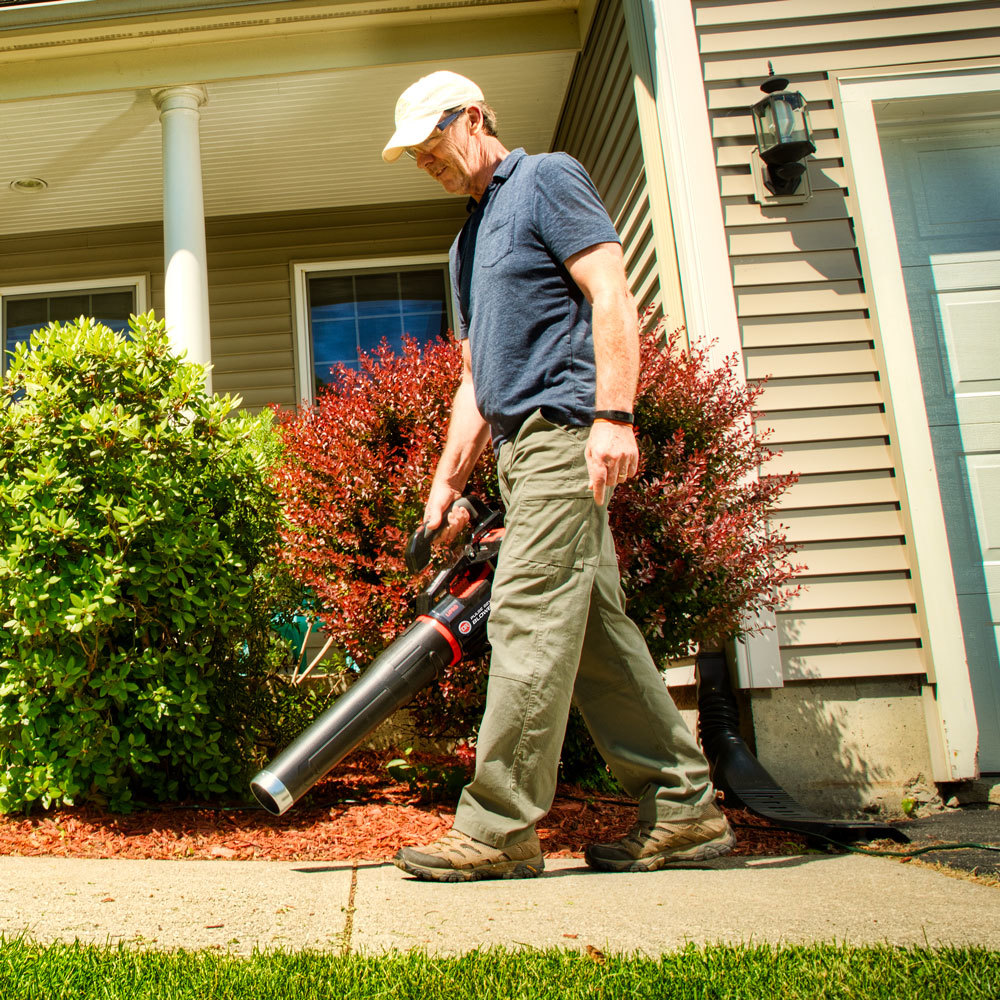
{"points": [[449, 157]]}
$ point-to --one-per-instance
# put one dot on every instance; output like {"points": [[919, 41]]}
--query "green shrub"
{"points": [[137, 525]]}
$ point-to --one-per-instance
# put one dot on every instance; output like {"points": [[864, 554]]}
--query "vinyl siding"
{"points": [[600, 127], [81, 255], [249, 264], [803, 314]]}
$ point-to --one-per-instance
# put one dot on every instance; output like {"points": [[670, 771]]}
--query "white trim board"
{"points": [[139, 281], [689, 160], [700, 236], [955, 737], [300, 297]]}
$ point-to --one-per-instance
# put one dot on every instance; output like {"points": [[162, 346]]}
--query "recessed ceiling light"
{"points": [[29, 184]]}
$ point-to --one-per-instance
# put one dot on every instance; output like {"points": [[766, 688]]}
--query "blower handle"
{"points": [[418, 549]]}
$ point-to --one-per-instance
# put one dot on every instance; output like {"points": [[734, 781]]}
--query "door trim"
{"points": [[952, 727]]}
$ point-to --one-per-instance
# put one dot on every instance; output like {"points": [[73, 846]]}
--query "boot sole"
{"points": [[700, 852], [531, 868]]}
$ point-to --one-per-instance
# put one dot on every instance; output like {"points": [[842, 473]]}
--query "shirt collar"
{"points": [[502, 172]]}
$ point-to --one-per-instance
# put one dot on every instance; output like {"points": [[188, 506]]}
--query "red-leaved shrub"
{"points": [[356, 472], [697, 556], [695, 551]]}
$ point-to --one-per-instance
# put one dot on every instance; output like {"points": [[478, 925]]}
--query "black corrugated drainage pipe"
{"points": [[744, 780]]}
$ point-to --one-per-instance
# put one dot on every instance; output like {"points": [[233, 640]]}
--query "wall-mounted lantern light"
{"points": [[781, 124]]}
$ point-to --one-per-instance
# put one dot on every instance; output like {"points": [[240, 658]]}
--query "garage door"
{"points": [[944, 184]]}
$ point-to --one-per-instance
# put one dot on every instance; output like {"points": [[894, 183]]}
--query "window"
{"points": [[27, 309], [347, 310]]}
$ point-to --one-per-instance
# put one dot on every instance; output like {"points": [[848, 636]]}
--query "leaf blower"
{"points": [[450, 625]]}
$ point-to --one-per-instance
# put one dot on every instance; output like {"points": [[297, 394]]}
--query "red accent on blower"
{"points": [[463, 588], [456, 650]]}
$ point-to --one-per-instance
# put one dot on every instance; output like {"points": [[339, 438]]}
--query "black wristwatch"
{"points": [[615, 416]]}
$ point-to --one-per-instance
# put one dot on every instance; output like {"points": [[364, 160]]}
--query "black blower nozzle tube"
{"points": [[396, 675]]}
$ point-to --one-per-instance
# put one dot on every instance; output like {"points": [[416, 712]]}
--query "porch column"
{"points": [[184, 253]]}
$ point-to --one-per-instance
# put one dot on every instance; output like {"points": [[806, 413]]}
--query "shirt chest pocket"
{"points": [[495, 243]]}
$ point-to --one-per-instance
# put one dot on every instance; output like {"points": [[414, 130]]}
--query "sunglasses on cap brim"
{"points": [[412, 151]]}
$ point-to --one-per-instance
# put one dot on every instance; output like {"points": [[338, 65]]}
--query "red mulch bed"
{"points": [[357, 813]]}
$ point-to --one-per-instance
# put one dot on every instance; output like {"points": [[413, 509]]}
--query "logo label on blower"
{"points": [[465, 627]]}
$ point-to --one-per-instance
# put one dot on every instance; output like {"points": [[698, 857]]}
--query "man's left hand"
{"points": [[612, 457]]}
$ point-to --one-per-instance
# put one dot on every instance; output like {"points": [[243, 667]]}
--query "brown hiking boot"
{"points": [[646, 848], [456, 857]]}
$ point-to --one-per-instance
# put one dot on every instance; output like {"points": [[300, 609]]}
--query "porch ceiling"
{"points": [[269, 144]]}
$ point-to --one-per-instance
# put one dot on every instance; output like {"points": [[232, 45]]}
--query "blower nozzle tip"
{"points": [[271, 793]]}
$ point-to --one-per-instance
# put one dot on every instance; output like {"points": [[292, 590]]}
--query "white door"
{"points": [[944, 185]]}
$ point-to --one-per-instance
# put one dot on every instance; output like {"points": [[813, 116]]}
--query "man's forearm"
{"points": [[612, 454], [467, 436], [616, 352]]}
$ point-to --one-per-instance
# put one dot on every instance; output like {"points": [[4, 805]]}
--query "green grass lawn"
{"points": [[82, 972]]}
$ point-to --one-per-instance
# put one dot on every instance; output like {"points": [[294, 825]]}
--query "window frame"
{"points": [[304, 270], [138, 282]]}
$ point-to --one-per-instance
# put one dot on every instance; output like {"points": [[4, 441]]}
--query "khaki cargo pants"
{"points": [[559, 633]]}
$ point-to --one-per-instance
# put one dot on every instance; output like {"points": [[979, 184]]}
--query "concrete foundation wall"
{"points": [[845, 747]]}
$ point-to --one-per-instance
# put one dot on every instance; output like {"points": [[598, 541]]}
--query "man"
{"points": [[550, 363]]}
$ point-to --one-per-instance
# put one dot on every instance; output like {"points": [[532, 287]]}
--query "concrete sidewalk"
{"points": [[241, 905]]}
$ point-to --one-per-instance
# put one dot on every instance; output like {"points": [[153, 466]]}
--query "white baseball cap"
{"points": [[421, 105]]}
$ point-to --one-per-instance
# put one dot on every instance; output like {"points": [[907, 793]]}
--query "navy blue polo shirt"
{"points": [[528, 324]]}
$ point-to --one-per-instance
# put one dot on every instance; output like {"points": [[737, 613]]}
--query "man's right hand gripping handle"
{"points": [[450, 520]]}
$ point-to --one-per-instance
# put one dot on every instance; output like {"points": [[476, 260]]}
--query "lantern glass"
{"points": [[782, 127]]}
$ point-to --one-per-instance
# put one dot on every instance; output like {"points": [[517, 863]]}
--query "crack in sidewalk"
{"points": [[348, 930]]}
